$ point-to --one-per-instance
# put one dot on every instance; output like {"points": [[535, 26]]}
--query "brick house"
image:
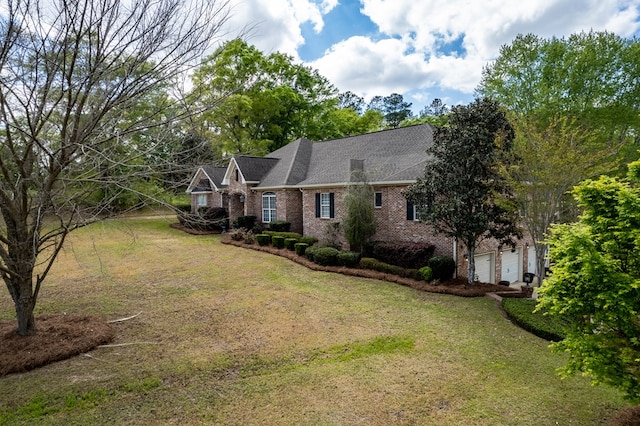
{"points": [[304, 183]]}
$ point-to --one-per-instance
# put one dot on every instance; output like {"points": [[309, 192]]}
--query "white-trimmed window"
{"points": [[268, 207], [201, 200], [377, 200], [325, 205]]}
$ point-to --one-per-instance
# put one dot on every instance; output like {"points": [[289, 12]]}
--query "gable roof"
{"points": [[389, 156], [207, 179]]}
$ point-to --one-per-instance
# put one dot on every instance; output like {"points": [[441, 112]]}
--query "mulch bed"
{"points": [[456, 286], [57, 337]]}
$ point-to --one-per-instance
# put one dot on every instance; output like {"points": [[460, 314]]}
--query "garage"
{"points": [[532, 264], [484, 267], [511, 261]]}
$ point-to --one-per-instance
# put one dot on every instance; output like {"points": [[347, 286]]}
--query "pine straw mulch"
{"points": [[456, 286], [57, 337]]}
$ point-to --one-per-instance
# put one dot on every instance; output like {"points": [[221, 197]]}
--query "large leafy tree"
{"points": [[592, 77], [545, 163], [462, 193], [576, 106], [268, 99], [595, 282], [71, 74]]}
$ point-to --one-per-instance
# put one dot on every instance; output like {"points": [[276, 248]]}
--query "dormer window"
{"points": [[237, 175]]}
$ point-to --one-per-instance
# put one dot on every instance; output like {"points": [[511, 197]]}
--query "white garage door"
{"points": [[511, 265], [532, 264], [484, 267]]}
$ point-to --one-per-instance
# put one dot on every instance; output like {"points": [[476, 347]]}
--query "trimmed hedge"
{"points": [[283, 234], [277, 241], [348, 258], [426, 273], [309, 240], [301, 248], [404, 254], [521, 313], [263, 239], [326, 256], [442, 267], [247, 222], [290, 243], [376, 265], [279, 226]]}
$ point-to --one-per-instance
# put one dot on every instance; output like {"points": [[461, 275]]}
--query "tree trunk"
{"points": [[24, 314], [471, 265]]}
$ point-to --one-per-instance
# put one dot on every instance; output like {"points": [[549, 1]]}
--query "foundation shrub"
{"points": [[206, 219], [348, 258], [443, 267], [377, 265], [290, 243], [279, 226], [277, 241], [301, 248], [308, 240], [404, 254], [247, 222], [263, 239], [283, 234], [326, 256], [426, 273]]}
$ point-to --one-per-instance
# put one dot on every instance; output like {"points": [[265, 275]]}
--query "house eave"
{"points": [[333, 185]]}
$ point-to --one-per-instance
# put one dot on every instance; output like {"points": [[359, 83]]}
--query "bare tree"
{"points": [[72, 72]]}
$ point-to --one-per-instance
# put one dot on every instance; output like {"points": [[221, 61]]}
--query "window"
{"points": [[412, 212], [237, 175], [201, 200], [268, 207], [377, 201], [325, 205]]}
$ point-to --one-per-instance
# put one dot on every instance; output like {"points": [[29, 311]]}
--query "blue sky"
{"points": [[423, 49]]}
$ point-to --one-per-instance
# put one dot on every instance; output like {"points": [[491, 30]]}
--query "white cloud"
{"points": [[407, 55], [275, 24]]}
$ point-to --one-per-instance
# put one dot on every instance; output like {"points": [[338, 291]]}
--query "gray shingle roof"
{"points": [[389, 156], [216, 174]]}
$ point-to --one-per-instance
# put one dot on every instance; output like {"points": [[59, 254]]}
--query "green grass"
{"points": [[232, 336]]}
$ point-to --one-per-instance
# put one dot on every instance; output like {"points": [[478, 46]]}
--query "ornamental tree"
{"points": [[595, 282], [463, 194]]}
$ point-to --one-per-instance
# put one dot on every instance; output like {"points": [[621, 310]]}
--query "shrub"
{"points": [[521, 313], [376, 265], [426, 273], [249, 238], [443, 267], [348, 258], [263, 239], [279, 226], [277, 241], [283, 234], [290, 243], [238, 234], [207, 219], [404, 254], [309, 240], [247, 222], [326, 256], [301, 248], [310, 252]]}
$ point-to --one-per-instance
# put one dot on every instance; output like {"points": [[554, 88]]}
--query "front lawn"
{"points": [[227, 335]]}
